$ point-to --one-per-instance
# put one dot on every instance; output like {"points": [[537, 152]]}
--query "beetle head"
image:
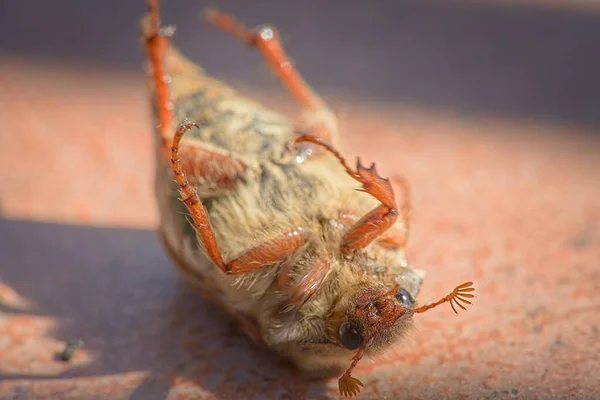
{"points": [[371, 315], [370, 318]]}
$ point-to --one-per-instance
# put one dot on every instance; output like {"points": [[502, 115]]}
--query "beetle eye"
{"points": [[404, 297], [350, 336]]}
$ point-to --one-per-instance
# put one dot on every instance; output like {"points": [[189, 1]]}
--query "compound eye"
{"points": [[350, 336], [404, 297]]}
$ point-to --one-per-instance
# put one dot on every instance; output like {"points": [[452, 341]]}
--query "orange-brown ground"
{"points": [[508, 197], [513, 206]]}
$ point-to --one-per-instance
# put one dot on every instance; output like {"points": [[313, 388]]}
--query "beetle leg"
{"points": [[392, 241], [215, 166], [301, 291], [156, 41], [267, 253], [245, 322], [369, 228], [377, 221], [266, 39], [270, 252], [395, 238]]}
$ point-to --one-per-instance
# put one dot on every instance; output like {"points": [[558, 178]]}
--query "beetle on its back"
{"points": [[280, 238]]}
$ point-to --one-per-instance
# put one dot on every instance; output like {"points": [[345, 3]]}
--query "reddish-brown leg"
{"points": [[246, 323], [215, 166], [392, 240], [395, 238], [378, 220], [157, 41], [301, 291], [267, 253], [347, 384], [267, 41]]}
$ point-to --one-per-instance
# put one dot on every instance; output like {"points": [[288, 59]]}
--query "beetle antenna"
{"points": [[459, 295], [392, 291]]}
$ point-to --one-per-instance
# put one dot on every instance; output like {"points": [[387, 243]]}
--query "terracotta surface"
{"points": [[512, 203]]}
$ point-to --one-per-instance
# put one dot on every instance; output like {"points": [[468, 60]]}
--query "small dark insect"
{"points": [[304, 251], [71, 348]]}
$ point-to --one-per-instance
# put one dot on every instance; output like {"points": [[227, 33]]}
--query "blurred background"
{"points": [[490, 108]]}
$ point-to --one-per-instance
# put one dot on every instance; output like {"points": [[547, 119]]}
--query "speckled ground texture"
{"points": [[491, 111]]}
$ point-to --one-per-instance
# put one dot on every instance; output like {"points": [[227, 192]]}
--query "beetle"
{"points": [[262, 214]]}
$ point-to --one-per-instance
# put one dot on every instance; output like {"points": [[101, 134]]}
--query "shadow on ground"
{"points": [[116, 290]]}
